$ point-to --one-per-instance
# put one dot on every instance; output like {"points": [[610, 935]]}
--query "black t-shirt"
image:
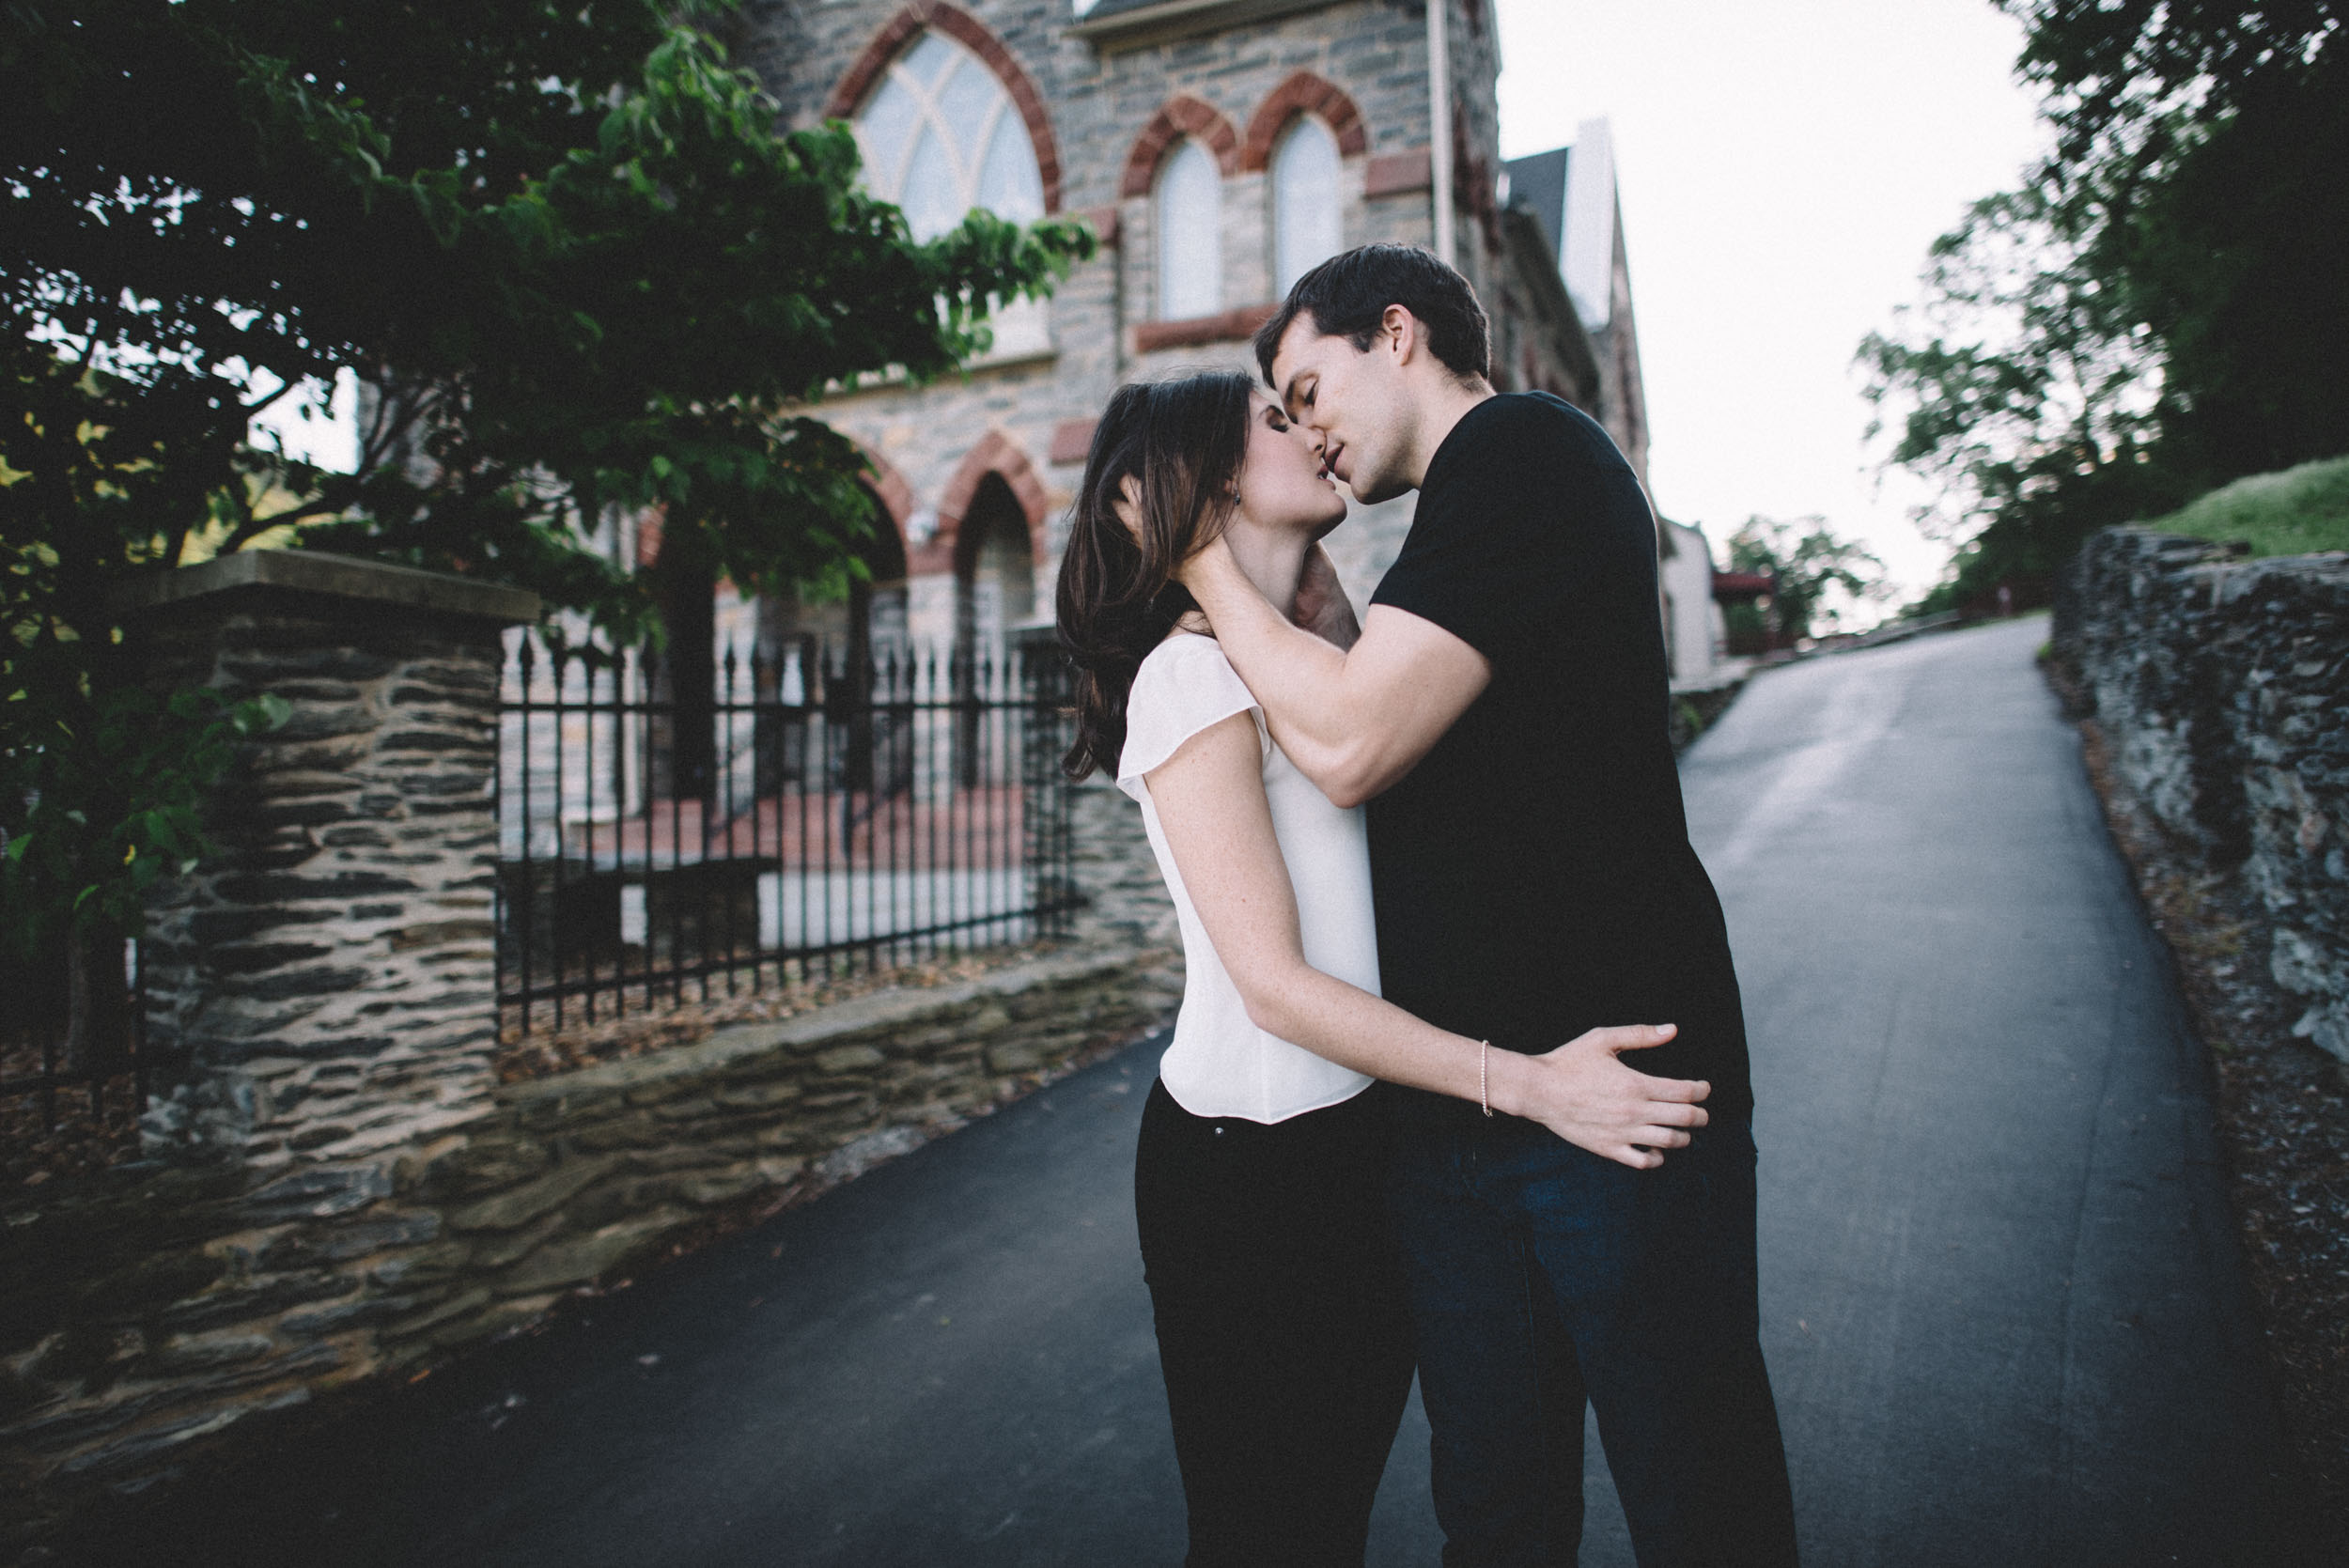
{"points": [[1532, 874]]}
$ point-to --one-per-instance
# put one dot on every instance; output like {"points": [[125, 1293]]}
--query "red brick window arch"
{"points": [[1188, 219], [947, 122], [1180, 160], [939, 136], [1308, 210], [1299, 136]]}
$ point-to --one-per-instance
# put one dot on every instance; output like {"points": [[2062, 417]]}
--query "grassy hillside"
{"points": [[2293, 513]]}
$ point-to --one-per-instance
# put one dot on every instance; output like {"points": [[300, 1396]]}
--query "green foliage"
{"points": [[98, 779], [2159, 308], [569, 255], [2297, 512], [102, 796], [2120, 73], [2232, 260], [1819, 577], [570, 260], [2024, 387], [1745, 627]]}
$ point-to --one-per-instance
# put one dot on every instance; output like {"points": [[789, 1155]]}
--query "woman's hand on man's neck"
{"points": [[1271, 559]]}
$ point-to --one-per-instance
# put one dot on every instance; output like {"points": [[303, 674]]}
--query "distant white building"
{"points": [[1695, 632]]}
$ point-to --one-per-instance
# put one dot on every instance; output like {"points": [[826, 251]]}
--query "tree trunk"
{"points": [[97, 1004]]}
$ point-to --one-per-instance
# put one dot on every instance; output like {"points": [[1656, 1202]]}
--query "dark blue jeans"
{"points": [[1543, 1277]]}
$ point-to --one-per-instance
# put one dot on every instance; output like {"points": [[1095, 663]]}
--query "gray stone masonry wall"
{"points": [[337, 1188], [1126, 905], [321, 986], [158, 1305], [2223, 688], [1099, 102]]}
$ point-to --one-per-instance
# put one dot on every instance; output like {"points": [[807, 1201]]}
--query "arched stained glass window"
{"points": [[1191, 234], [939, 136], [1305, 226]]}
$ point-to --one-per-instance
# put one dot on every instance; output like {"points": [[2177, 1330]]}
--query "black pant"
{"points": [[1543, 1275], [1284, 1329]]}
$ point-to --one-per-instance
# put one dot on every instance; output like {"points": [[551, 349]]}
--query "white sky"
{"points": [[1783, 166], [317, 423]]}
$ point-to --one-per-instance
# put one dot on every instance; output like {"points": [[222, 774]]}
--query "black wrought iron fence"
{"points": [[821, 807], [43, 1068]]}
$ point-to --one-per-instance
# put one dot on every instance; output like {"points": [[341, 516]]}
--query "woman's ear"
{"points": [[1129, 504]]}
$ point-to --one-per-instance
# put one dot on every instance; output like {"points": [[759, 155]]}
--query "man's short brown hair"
{"points": [[1348, 297]]}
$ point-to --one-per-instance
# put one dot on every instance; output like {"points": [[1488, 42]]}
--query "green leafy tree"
{"points": [[2019, 387], [100, 780], [2161, 305], [1817, 575], [566, 252]]}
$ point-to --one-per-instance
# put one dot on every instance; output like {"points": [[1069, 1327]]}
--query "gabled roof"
{"points": [[1539, 184], [1571, 190]]}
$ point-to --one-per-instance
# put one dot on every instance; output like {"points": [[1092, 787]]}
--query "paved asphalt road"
{"points": [[2001, 1298]]}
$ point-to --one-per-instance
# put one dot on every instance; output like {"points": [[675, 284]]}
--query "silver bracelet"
{"points": [[1484, 1076]]}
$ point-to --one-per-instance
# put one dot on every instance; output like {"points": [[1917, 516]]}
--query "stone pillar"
{"points": [[322, 987]]}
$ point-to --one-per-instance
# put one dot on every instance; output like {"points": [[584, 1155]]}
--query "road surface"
{"points": [[1999, 1291]]}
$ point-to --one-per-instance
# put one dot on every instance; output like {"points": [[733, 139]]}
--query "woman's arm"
{"points": [[1355, 707], [1353, 717], [1212, 805]]}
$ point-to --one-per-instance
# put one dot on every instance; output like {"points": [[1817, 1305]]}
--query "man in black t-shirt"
{"points": [[1503, 711]]}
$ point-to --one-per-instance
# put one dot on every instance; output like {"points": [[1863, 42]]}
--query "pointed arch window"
{"points": [[940, 136], [1190, 222], [1305, 210]]}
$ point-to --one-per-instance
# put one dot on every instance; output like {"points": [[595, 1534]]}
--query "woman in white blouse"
{"points": [[1259, 1181]]}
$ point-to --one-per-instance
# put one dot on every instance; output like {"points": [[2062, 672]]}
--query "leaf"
{"points": [[262, 714]]}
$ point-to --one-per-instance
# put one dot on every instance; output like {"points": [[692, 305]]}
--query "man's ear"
{"points": [[1399, 329]]}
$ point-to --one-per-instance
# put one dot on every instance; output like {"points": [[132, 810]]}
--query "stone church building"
{"points": [[1219, 149]]}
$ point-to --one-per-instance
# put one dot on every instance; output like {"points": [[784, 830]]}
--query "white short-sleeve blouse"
{"points": [[1220, 1063]]}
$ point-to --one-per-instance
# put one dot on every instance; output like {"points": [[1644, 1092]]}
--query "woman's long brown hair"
{"points": [[1185, 440]]}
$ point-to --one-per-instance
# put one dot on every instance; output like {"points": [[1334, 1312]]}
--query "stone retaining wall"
{"points": [[334, 1185], [2222, 686], [160, 1304], [1126, 905]]}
